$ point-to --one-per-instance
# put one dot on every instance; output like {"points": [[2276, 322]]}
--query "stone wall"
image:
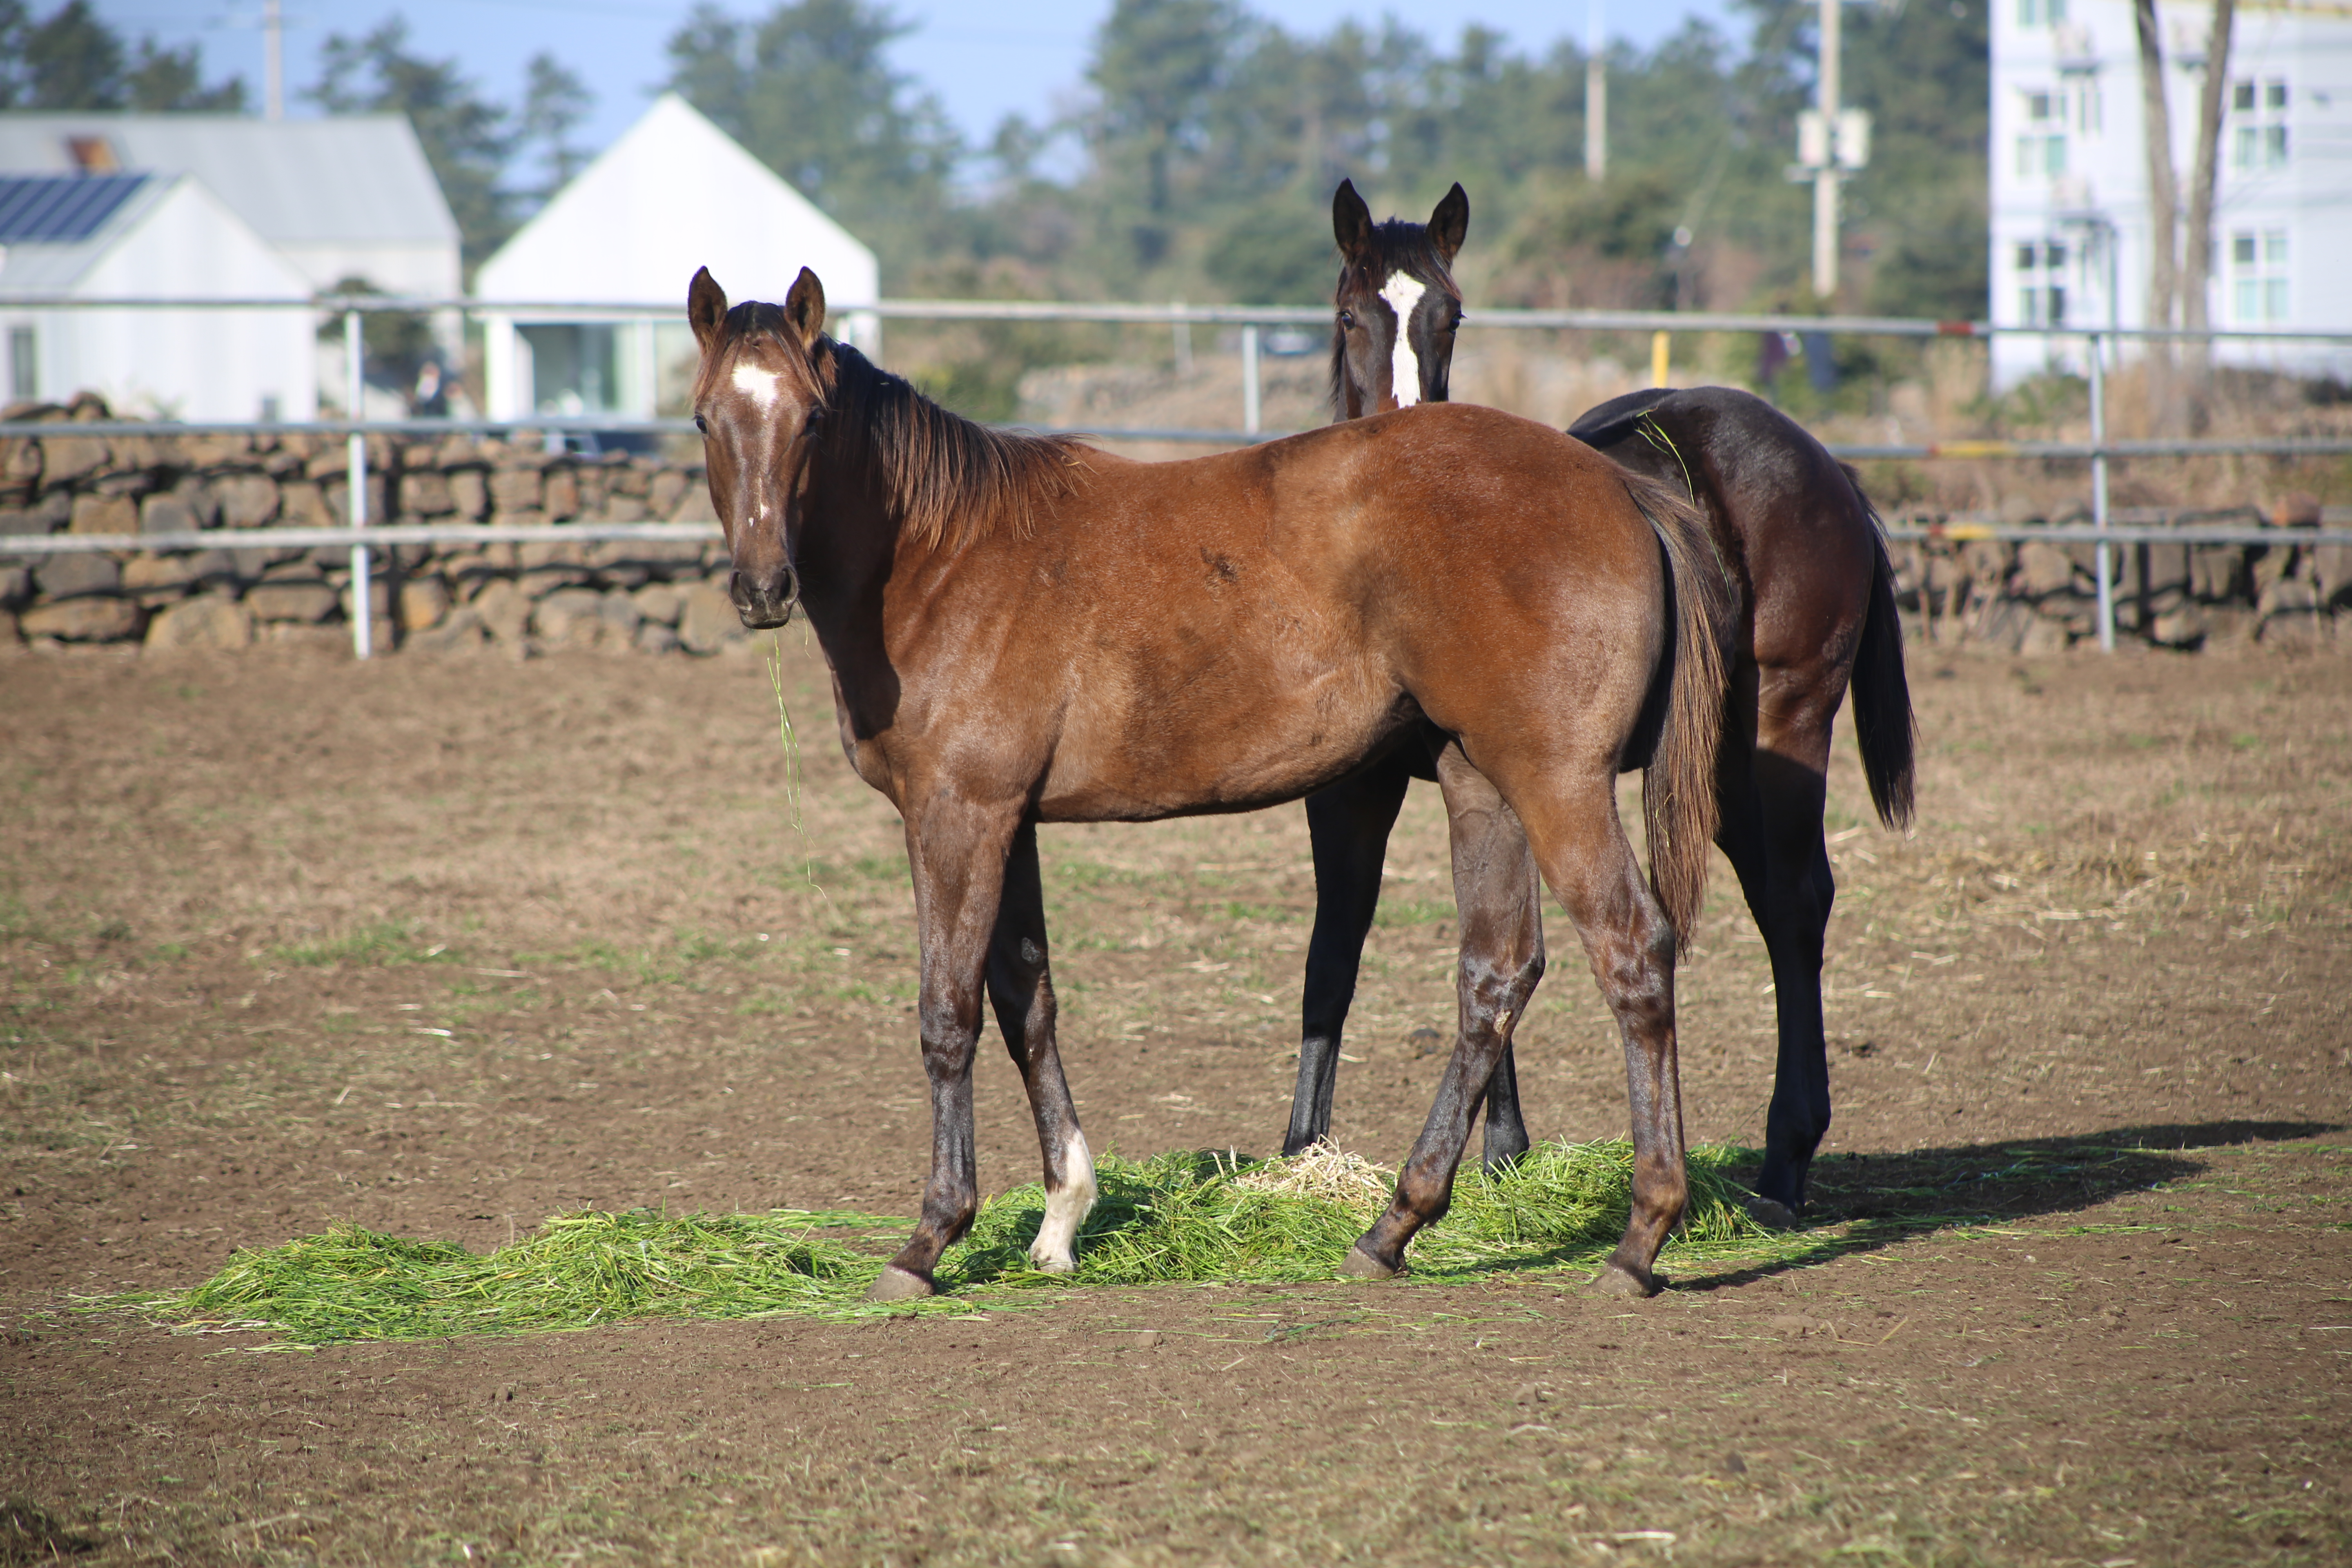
{"points": [[656, 597], [2033, 597]]}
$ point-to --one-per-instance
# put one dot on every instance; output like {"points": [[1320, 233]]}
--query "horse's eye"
{"points": [[815, 417], [1346, 320], [700, 424]]}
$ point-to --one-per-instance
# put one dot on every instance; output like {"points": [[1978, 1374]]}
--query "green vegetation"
{"points": [[1396, 911], [1199, 1217], [381, 943], [73, 59], [1207, 149], [579, 1271], [1177, 1218], [1199, 161]]}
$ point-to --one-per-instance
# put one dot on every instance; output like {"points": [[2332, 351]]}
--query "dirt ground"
{"points": [[444, 948]]}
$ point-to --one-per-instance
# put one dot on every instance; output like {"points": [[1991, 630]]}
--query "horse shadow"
{"points": [[1864, 1203]]}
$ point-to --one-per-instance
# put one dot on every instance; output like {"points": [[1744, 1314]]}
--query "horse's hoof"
{"points": [[897, 1285], [1053, 1263], [1362, 1265], [1772, 1213], [1616, 1279]]}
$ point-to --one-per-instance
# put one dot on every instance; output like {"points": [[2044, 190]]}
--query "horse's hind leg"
{"points": [[956, 850], [1501, 899], [1772, 795], [1502, 959], [1348, 826], [1581, 844], [1021, 989]]}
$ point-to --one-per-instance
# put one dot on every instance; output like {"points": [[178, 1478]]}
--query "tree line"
{"points": [[1199, 160]]}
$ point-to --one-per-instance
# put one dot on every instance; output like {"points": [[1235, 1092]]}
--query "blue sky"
{"points": [[982, 63]]}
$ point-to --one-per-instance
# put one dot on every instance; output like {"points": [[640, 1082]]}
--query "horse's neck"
{"points": [[846, 563]]}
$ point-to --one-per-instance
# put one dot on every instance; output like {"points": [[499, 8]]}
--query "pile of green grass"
{"points": [[1177, 1218], [1199, 1217], [577, 1270]]}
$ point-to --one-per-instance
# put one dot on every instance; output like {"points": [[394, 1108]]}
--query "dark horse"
{"points": [[1813, 608], [1023, 629]]}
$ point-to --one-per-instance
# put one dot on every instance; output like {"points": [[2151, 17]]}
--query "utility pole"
{"points": [[273, 62], [1832, 142], [1596, 94], [1825, 178]]}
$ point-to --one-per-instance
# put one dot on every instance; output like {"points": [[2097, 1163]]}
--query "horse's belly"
{"points": [[1228, 741]]}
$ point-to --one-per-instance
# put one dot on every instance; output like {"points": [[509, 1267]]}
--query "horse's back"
{"points": [[1304, 601], [1791, 524], [1421, 497]]}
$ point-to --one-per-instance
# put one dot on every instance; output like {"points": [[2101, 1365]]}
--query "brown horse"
{"points": [[1814, 600], [1022, 629]]}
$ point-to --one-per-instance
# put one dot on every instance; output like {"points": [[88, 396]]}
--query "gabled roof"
{"points": [[162, 235], [360, 179], [54, 264], [58, 209], [675, 192]]}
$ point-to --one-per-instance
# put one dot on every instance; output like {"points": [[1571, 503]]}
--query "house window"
{"points": [[2042, 151], [2258, 277], [2041, 283], [572, 370], [24, 366], [2258, 141], [2041, 12]]}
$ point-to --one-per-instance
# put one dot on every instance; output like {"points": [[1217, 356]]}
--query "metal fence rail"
{"points": [[398, 533], [2098, 451]]}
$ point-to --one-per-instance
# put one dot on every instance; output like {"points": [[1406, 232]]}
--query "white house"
{"points": [[2069, 177], [674, 194], [152, 236]]}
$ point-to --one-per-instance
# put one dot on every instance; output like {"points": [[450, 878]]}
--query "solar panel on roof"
{"points": [[60, 209]]}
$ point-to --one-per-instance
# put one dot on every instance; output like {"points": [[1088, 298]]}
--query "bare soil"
{"points": [[442, 947]]}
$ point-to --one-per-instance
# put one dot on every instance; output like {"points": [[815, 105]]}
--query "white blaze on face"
{"points": [[1403, 291], [758, 386], [1067, 1208]]}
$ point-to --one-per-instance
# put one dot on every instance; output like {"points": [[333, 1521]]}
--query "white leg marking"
{"points": [[1403, 291], [1066, 1209], [758, 386]]}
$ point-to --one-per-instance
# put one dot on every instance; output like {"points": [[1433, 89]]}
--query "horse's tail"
{"points": [[1883, 722], [1678, 804]]}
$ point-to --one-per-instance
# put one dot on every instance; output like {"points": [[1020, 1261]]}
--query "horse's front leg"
{"points": [[1348, 826], [1021, 989], [957, 849], [1496, 889]]}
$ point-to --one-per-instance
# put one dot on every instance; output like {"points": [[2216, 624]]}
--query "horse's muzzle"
{"points": [[764, 602]]}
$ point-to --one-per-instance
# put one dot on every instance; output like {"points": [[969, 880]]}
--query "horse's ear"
{"points": [[1450, 224], [804, 309], [1351, 222], [706, 307]]}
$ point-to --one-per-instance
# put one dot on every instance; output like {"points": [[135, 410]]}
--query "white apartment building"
{"points": [[2069, 177]]}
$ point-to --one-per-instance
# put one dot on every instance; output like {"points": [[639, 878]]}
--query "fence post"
{"points": [[355, 384], [2103, 552], [1250, 420]]}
